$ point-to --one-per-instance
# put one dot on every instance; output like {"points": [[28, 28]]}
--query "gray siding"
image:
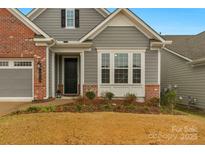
{"points": [[50, 22], [90, 60], [151, 67], [121, 37], [15, 82], [190, 80], [125, 36]]}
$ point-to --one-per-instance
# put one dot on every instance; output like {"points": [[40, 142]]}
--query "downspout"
{"points": [[47, 67]]}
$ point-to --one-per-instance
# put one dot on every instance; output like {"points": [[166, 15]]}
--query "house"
{"points": [[183, 66], [75, 51]]}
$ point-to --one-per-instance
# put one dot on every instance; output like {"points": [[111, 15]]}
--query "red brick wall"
{"points": [[16, 41], [152, 91]]}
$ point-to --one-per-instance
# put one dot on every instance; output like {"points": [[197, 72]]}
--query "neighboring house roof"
{"points": [[190, 46], [27, 22], [37, 11], [148, 31]]}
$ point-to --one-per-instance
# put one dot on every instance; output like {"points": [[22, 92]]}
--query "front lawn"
{"points": [[101, 128]]}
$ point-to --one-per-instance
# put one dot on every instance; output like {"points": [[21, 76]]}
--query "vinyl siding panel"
{"points": [[190, 80], [125, 36], [90, 67], [50, 22], [151, 67], [15, 82]]}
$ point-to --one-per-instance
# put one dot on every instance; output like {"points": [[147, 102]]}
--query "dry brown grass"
{"points": [[101, 128]]}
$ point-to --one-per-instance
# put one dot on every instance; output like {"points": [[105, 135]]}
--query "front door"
{"points": [[70, 76]]}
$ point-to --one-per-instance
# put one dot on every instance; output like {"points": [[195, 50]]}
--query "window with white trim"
{"points": [[70, 18], [4, 63], [22, 63], [136, 68], [121, 68], [105, 68]]}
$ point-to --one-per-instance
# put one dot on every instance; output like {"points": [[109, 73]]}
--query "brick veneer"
{"points": [[152, 91], [90, 87], [17, 42]]}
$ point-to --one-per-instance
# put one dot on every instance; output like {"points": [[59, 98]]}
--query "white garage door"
{"points": [[16, 78]]}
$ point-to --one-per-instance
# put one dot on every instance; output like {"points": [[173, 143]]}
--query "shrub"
{"points": [[154, 101], [169, 99], [34, 109], [130, 108], [90, 95], [109, 95], [79, 107], [130, 98]]}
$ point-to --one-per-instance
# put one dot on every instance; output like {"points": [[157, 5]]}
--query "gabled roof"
{"points": [[37, 11], [190, 46], [135, 19], [27, 22]]}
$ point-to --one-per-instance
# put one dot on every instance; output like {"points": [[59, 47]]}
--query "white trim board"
{"points": [[130, 15], [27, 22], [36, 12], [171, 51]]}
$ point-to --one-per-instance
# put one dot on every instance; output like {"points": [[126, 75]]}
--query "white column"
{"points": [[81, 72], [47, 72], [53, 74]]}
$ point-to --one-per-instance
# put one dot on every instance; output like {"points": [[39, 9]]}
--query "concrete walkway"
{"points": [[7, 107]]}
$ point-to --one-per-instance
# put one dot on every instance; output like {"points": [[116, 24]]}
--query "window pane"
{"points": [[105, 76], [70, 18], [136, 75], [105, 60], [121, 75], [121, 60], [136, 60]]}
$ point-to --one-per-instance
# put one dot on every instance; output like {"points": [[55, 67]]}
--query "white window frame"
{"points": [[70, 27], [137, 68], [12, 66], [130, 66]]}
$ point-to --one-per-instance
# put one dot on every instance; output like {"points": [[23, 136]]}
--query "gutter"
{"points": [[198, 62]]}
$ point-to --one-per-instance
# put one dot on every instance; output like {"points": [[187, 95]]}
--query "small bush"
{"points": [[109, 96], [153, 102], [79, 107], [130, 108], [90, 95], [130, 98], [34, 109]]}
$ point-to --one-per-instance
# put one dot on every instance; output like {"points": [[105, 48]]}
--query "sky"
{"points": [[168, 21]]}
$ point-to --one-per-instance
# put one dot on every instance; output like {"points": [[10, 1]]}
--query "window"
{"points": [[70, 18], [136, 68], [121, 68], [105, 71], [4, 63], [22, 63]]}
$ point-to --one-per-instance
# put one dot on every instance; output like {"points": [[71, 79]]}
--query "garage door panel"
{"points": [[15, 82]]}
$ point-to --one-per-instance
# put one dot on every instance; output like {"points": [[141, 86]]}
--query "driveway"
{"points": [[7, 107]]}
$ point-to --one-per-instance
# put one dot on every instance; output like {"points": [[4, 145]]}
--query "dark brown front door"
{"points": [[70, 76]]}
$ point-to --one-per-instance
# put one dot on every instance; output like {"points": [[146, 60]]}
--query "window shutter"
{"points": [[63, 16], [77, 15]]}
